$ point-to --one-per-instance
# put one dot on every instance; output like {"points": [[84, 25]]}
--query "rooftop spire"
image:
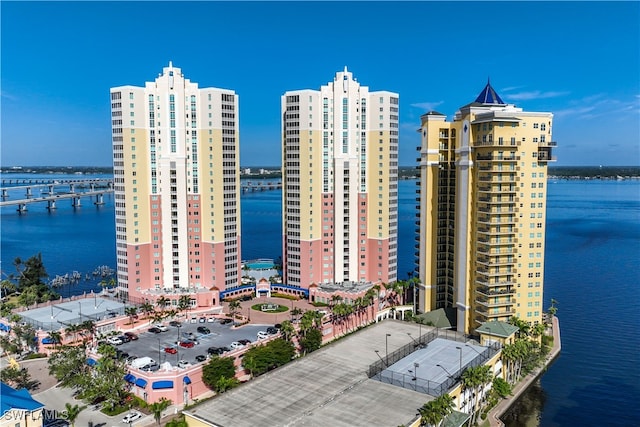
{"points": [[489, 95]]}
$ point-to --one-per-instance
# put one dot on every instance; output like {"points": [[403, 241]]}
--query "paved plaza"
{"points": [[327, 387]]}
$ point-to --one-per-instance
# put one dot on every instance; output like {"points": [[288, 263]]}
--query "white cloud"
{"points": [[536, 94], [598, 105], [6, 95], [510, 88], [428, 106]]}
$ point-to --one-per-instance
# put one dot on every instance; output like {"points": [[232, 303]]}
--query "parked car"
{"points": [[152, 367], [245, 298], [262, 335], [202, 319], [278, 326], [188, 335], [244, 342], [194, 320], [155, 330], [271, 330], [235, 345], [114, 341], [161, 327], [131, 336], [187, 344], [131, 359], [225, 321], [215, 350], [171, 350], [131, 417], [203, 330], [201, 358], [175, 324], [183, 364], [124, 338], [211, 319]]}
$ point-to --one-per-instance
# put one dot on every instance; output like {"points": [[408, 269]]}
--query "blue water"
{"points": [[592, 270]]}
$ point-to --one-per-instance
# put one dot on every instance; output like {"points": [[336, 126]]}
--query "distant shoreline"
{"points": [[404, 172]]}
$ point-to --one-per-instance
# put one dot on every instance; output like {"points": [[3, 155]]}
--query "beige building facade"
{"points": [[340, 194], [482, 213], [177, 191]]}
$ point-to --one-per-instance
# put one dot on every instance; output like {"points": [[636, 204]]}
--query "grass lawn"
{"points": [[280, 309]]}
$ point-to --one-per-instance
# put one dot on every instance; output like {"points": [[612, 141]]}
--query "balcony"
{"points": [[494, 285], [489, 292], [495, 262], [491, 314], [548, 144], [487, 303], [544, 156]]}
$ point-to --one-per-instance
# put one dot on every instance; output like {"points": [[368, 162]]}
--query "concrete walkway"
{"points": [[523, 384]]}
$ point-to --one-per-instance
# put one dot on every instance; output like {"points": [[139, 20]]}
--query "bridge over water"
{"points": [[50, 191]]}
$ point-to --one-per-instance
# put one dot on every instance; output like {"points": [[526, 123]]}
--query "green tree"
{"points": [[56, 337], [106, 380], [216, 368], [132, 312], [311, 341], [475, 378], [17, 378], [69, 366], [435, 411], [184, 302], [146, 308], [72, 412], [501, 388], [233, 308], [162, 302], [287, 330], [260, 359], [156, 408], [223, 384]]}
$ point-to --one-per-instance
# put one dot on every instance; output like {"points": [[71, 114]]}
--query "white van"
{"points": [[142, 361]]}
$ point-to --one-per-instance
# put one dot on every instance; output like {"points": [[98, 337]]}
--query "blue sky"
{"points": [[579, 60]]}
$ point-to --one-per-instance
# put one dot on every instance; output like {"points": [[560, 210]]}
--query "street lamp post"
{"points": [[444, 369], [460, 348], [386, 348], [178, 345], [416, 365]]}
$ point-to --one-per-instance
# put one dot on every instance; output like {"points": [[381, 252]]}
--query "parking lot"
{"points": [[154, 345]]}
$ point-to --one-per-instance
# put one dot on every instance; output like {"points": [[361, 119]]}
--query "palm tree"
{"points": [[56, 337], [295, 312], [72, 412], [156, 408], [89, 327], [146, 308], [435, 411], [523, 326], [184, 302], [162, 302], [233, 308], [475, 378], [335, 299], [132, 312], [287, 330], [73, 329]]}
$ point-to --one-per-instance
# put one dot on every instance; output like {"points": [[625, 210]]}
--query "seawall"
{"points": [[522, 386]]}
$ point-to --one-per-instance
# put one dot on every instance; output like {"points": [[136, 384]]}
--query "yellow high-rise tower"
{"points": [[482, 211], [176, 180], [340, 192]]}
